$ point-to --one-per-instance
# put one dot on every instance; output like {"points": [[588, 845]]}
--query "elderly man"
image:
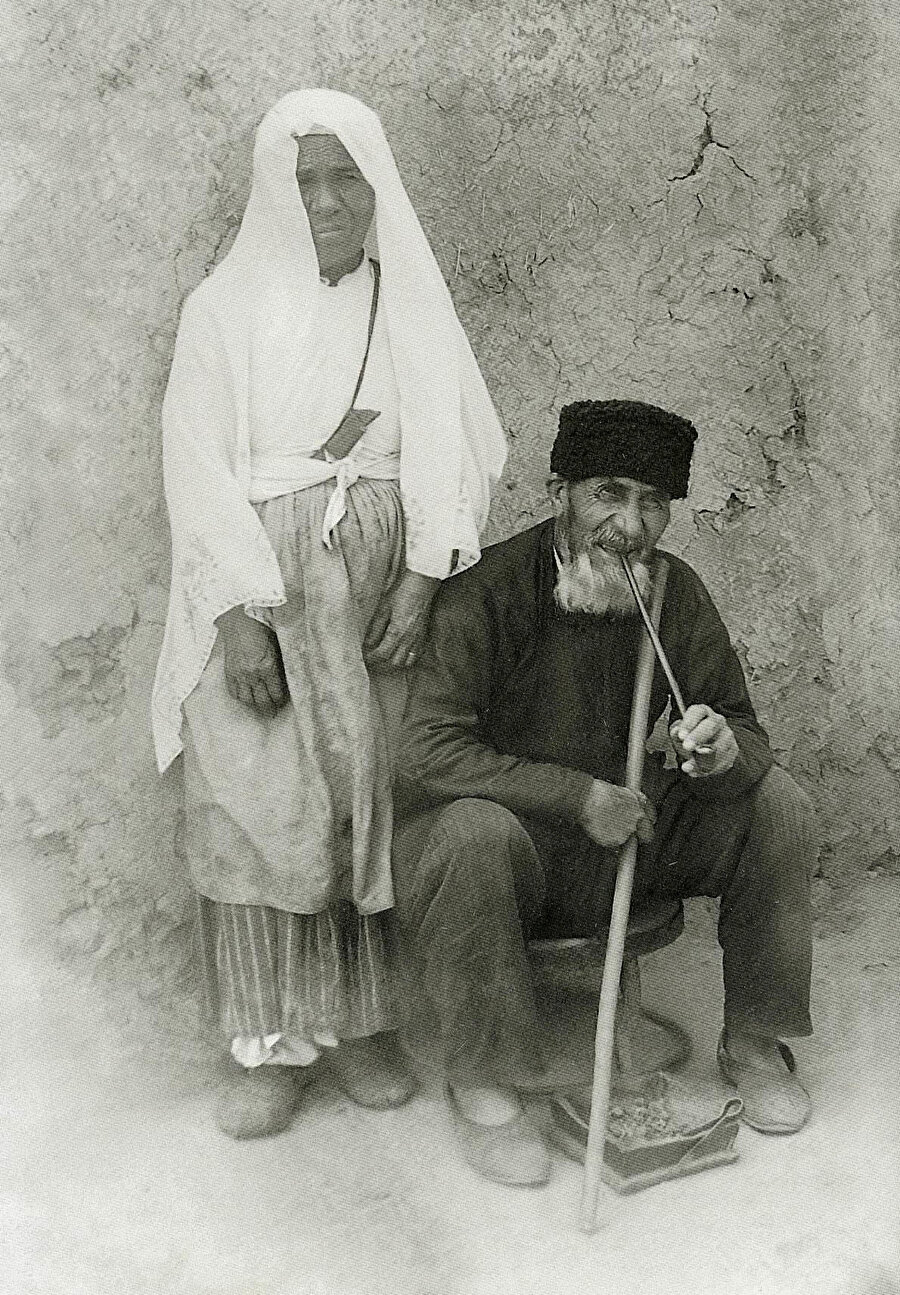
{"points": [[513, 760]]}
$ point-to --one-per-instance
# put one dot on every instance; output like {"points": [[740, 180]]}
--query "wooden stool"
{"points": [[644, 1041]]}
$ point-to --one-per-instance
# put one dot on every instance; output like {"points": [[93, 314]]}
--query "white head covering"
{"points": [[233, 369]]}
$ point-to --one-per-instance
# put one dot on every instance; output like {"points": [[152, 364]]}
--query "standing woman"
{"points": [[329, 449]]}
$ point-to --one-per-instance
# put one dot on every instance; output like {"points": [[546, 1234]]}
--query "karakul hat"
{"points": [[624, 438]]}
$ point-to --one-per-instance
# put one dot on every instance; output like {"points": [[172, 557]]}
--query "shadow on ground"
{"points": [[115, 1182]]}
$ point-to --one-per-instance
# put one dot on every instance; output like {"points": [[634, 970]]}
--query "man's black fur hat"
{"points": [[624, 438]]}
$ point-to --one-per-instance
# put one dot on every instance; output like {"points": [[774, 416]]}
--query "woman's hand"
{"points": [[254, 672], [397, 629], [704, 743]]}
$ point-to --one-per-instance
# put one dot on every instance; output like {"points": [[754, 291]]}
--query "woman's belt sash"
{"points": [[283, 474]]}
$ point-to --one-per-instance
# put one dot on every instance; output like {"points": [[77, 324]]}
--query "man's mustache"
{"points": [[615, 542]]}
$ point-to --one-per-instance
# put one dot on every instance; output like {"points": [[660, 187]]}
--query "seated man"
{"points": [[510, 796]]}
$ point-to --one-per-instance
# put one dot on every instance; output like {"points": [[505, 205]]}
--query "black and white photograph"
{"points": [[450, 647]]}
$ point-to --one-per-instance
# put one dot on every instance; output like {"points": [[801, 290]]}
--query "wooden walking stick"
{"points": [[615, 948]]}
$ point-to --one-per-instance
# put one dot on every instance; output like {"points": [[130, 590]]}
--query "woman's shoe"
{"points": [[371, 1071], [259, 1102]]}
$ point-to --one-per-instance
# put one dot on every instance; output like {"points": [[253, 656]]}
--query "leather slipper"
{"points": [[513, 1153], [371, 1071], [259, 1102], [775, 1101]]}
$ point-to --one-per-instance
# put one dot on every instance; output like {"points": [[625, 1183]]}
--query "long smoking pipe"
{"points": [[654, 637], [657, 644]]}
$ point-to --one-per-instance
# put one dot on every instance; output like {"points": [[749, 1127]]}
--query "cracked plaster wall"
{"points": [[690, 202]]}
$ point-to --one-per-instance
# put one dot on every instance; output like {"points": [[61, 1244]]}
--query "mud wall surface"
{"points": [[679, 200]]}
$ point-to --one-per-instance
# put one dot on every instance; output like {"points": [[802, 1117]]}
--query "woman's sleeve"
{"points": [[445, 539], [221, 555]]}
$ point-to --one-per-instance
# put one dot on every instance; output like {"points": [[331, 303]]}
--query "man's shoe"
{"points": [[513, 1153], [257, 1102], [774, 1099], [371, 1071]]}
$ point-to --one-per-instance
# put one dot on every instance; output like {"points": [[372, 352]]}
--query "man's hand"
{"points": [[397, 629], [703, 742], [611, 814], [254, 673]]}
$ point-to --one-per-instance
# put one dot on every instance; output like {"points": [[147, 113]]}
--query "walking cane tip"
{"points": [[592, 1218], [590, 1226]]}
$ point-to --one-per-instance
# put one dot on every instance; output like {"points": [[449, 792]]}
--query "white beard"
{"points": [[581, 587]]}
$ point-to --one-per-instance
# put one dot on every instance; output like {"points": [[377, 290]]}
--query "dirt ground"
{"points": [[114, 1180]]}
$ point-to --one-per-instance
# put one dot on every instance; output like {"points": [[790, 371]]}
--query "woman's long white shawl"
{"points": [[233, 371]]}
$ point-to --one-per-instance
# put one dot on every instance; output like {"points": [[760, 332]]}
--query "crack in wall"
{"points": [[707, 141], [797, 429]]}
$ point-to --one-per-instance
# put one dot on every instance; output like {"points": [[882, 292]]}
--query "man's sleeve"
{"points": [[713, 675], [443, 752]]}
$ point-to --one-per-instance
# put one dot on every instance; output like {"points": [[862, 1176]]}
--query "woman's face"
{"points": [[338, 201]]}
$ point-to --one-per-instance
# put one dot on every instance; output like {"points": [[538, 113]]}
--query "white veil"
{"points": [[233, 369]]}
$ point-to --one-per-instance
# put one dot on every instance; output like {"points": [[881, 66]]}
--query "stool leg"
{"points": [[629, 1007], [643, 1043], [631, 983]]}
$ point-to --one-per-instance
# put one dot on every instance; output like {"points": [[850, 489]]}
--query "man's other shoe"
{"points": [[774, 1099], [513, 1153], [258, 1102]]}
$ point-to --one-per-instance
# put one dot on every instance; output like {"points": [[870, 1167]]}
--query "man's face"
{"points": [[605, 516], [338, 201]]}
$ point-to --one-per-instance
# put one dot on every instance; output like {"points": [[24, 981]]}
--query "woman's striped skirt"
{"points": [[266, 971]]}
